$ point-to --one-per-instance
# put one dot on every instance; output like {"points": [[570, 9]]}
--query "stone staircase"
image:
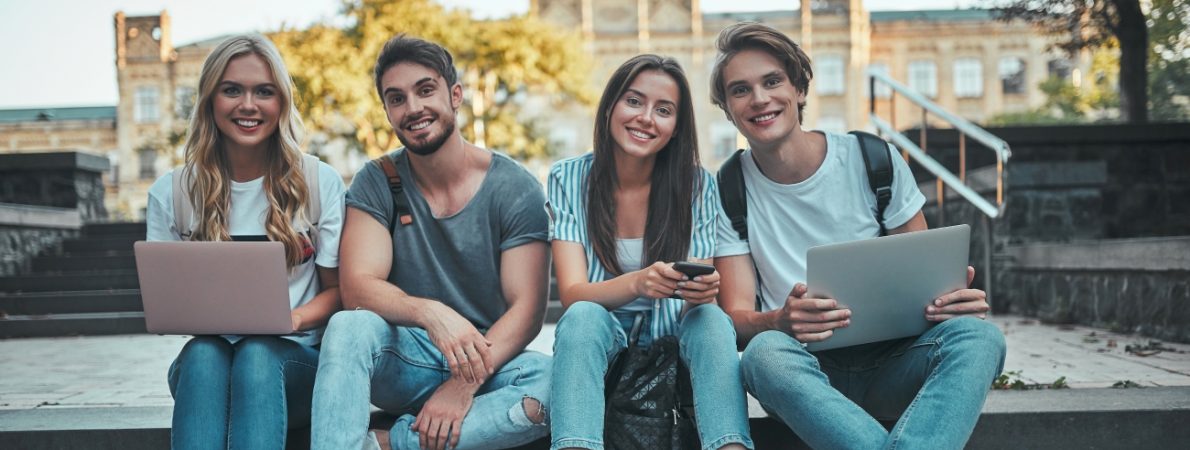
{"points": [[87, 286]]}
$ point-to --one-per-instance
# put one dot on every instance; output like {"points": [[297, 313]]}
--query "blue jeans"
{"points": [[933, 385], [588, 337], [242, 395], [367, 360]]}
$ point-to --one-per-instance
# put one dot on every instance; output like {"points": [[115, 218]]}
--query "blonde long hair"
{"points": [[207, 166]]}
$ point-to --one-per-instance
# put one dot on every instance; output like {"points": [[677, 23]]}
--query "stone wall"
{"points": [[62, 180], [27, 231], [1085, 182], [45, 198], [1127, 285]]}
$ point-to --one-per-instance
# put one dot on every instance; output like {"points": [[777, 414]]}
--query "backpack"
{"points": [[733, 194], [184, 210], [649, 402]]}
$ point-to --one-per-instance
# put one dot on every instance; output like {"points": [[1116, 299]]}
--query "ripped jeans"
{"points": [[367, 360]]}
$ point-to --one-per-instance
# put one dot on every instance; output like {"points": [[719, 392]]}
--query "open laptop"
{"points": [[887, 282], [214, 287]]}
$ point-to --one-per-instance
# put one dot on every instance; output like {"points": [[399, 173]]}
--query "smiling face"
{"points": [[247, 103], [420, 106], [760, 99], [644, 117]]}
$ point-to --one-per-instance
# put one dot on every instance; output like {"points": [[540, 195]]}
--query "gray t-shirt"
{"points": [[456, 259]]}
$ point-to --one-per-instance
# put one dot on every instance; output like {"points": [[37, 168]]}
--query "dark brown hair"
{"points": [[402, 48], [675, 179], [756, 36]]}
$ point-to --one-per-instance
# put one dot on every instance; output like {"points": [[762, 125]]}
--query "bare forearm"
{"points": [[514, 331], [387, 301], [612, 294], [748, 324], [318, 311]]}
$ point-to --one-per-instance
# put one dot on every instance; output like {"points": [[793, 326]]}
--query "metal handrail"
{"points": [[1003, 153], [934, 167], [965, 128]]}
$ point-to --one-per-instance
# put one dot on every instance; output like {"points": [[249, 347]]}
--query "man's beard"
{"points": [[433, 143]]}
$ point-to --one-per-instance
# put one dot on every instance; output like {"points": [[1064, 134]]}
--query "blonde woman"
{"points": [[246, 179]]}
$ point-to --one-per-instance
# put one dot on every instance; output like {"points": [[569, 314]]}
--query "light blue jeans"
{"points": [[243, 395], [367, 360], [588, 337], [933, 385]]}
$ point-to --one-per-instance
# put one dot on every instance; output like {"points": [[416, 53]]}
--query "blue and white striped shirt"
{"points": [[567, 196]]}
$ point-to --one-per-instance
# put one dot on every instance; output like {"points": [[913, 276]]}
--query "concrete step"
{"points": [[78, 324], [84, 263], [114, 228], [40, 303], [122, 243], [1125, 419], [89, 281]]}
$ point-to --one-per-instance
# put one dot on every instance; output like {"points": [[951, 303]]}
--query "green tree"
{"points": [[1066, 103], [1090, 24], [501, 63], [1169, 59]]}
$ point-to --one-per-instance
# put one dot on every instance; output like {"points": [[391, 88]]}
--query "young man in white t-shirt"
{"points": [[808, 188]]}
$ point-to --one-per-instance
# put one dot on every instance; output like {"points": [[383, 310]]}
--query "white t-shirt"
{"points": [[246, 218], [835, 204]]}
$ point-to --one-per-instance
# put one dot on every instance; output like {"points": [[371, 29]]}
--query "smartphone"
{"points": [[692, 269]]}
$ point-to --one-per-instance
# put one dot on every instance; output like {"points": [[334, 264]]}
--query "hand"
{"points": [[466, 350], [296, 319], [659, 280], [810, 319], [701, 290], [963, 302], [440, 420]]}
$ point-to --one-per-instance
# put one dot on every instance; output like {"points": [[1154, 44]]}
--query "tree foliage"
{"points": [[1066, 103], [1089, 24], [1169, 59], [501, 62]]}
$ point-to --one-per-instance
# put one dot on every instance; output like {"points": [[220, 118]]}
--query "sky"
{"points": [[62, 52]]}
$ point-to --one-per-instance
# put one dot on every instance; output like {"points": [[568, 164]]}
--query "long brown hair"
{"points": [[675, 179], [206, 161]]}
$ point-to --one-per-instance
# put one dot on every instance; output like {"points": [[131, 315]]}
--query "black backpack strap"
{"points": [[733, 194], [878, 160], [401, 211]]}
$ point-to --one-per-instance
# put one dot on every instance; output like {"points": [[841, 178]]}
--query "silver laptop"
{"points": [[214, 287], [887, 282]]}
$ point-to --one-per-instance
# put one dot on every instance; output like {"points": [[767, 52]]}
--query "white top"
{"points": [[835, 204], [628, 254], [246, 218]]}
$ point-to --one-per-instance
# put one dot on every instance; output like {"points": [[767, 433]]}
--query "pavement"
{"points": [[130, 370]]}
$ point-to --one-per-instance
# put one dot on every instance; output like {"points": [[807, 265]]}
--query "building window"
{"points": [[184, 102], [882, 90], [148, 163], [1012, 75], [923, 78], [832, 79], [968, 78], [1060, 68], [832, 124], [146, 108]]}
